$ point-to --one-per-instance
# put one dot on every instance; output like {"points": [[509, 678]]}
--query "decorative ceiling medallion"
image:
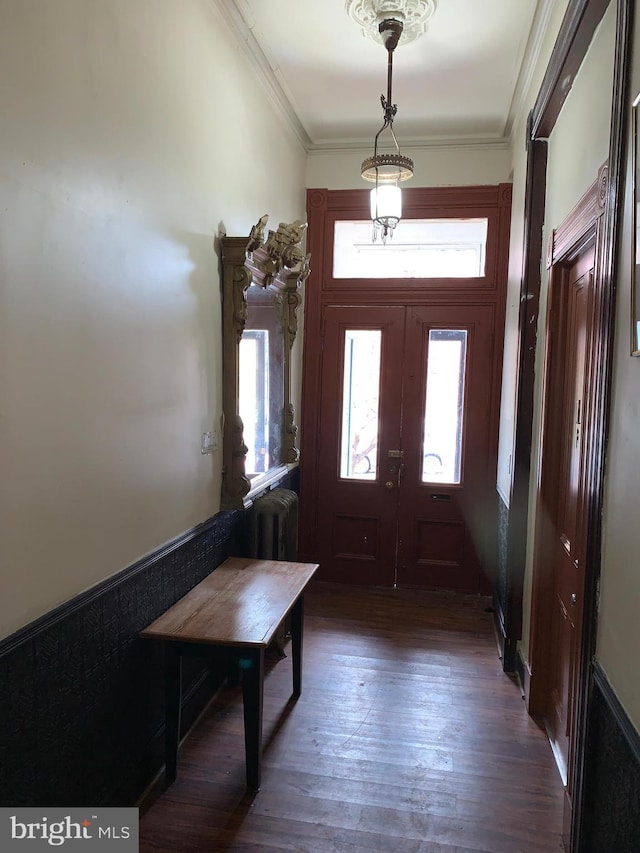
{"points": [[414, 14]]}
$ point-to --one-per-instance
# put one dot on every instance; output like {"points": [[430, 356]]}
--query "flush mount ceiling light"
{"points": [[414, 14], [389, 169]]}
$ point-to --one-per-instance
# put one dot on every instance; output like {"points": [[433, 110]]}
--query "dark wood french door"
{"points": [[405, 459], [401, 388], [567, 416]]}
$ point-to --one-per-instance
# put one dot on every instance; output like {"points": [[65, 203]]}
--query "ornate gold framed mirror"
{"points": [[261, 280]]}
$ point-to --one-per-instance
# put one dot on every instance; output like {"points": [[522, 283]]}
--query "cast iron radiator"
{"points": [[273, 526], [273, 535]]}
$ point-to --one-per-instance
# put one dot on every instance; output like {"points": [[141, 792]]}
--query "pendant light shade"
{"points": [[386, 209]]}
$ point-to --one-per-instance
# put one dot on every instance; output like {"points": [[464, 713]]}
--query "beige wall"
{"points": [[518, 168], [131, 131], [619, 618], [434, 167]]}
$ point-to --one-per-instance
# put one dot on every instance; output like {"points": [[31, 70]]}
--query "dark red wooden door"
{"points": [[570, 531], [404, 456], [360, 425], [445, 519]]}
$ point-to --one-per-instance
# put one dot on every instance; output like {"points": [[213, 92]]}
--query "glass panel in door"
{"points": [[360, 404], [444, 406]]}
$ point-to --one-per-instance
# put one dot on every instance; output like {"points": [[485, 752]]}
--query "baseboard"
{"points": [[498, 625], [502, 596], [524, 675], [507, 647], [83, 699]]}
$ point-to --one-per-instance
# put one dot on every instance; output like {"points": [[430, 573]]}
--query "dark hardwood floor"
{"points": [[408, 737]]}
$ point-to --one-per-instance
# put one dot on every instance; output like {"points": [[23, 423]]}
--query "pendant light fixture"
{"points": [[387, 170]]}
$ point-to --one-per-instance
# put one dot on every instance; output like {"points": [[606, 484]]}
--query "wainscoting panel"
{"points": [[611, 812], [82, 703]]}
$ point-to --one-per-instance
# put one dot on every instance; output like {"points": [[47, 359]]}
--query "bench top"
{"points": [[241, 603]]}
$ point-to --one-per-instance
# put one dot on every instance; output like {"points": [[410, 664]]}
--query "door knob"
{"points": [[389, 484], [574, 599]]}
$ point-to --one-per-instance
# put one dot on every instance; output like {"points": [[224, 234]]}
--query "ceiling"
{"points": [[456, 83]]}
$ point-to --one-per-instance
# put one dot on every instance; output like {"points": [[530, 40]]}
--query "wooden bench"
{"points": [[238, 607]]}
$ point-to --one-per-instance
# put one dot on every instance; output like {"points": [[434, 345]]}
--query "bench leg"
{"points": [[233, 675], [297, 615], [173, 695], [252, 666]]}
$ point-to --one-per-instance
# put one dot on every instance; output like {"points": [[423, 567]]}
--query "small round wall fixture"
{"points": [[414, 14]]}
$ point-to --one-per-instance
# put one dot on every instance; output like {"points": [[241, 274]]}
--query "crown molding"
{"points": [[363, 146], [535, 41], [237, 16]]}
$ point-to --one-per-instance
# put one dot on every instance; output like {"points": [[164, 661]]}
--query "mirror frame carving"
{"points": [[280, 266]]}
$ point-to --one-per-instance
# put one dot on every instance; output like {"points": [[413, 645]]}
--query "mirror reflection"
{"points": [[261, 382]]}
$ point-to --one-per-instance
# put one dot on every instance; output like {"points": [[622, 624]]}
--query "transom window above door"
{"points": [[420, 248]]}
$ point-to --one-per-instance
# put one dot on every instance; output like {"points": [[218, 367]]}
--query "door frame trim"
{"points": [[578, 27]]}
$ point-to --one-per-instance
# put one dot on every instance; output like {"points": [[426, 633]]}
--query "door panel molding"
{"points": [[366, 523]]}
